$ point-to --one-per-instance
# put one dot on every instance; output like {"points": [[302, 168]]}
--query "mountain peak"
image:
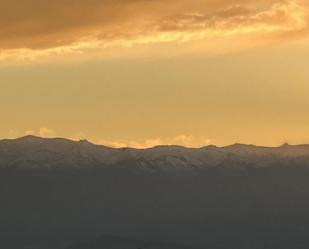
{"points": [[239, 145], [29, 138], [84, 141], [285, 145]]}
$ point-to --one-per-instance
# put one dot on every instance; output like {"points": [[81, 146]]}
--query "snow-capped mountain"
{"points": [[57, 194], [59, 153]]}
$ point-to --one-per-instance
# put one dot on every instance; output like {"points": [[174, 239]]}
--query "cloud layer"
{"points": [[182, 140], [43, 132], [41, 27]]}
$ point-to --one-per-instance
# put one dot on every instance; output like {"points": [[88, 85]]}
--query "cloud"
{"points": [[183, 140], [42, 132], [35, 28], [45, 132], [29, 132]]}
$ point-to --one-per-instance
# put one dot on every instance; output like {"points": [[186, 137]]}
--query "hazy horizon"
{"points": [[116, 146], [143, 73]]}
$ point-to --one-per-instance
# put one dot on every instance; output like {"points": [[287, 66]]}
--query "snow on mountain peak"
{"points": [[32, 151]]}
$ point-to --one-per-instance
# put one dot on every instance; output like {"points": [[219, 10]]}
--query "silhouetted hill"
{"points": [[57, 193]]}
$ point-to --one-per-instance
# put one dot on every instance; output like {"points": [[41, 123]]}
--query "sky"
{"points": [[140, 73]]}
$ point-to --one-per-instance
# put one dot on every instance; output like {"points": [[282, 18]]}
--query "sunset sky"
{"points": [[140, 73]]}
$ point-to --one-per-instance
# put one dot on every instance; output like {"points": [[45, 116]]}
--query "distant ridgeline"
{"points": [[57, 193]]}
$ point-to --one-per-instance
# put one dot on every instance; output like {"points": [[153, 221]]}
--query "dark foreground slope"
{"points": [[63, 194], [114, 242]]}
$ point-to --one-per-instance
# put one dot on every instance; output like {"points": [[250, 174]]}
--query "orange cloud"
{"points": [[38, 28], [42, 132], [45, 132], [183, 140]]}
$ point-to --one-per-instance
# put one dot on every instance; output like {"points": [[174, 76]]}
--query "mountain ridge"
{"points": [[56, 153], [31, 138]]}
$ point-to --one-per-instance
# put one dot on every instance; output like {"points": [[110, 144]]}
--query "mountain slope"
{"points": [[56, 193]]}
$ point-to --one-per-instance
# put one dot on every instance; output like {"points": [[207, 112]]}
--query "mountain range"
{"points": [[61, 194], [59, 153]]}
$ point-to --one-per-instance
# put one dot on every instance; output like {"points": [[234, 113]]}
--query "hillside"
{"points": [[57, 193]]}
